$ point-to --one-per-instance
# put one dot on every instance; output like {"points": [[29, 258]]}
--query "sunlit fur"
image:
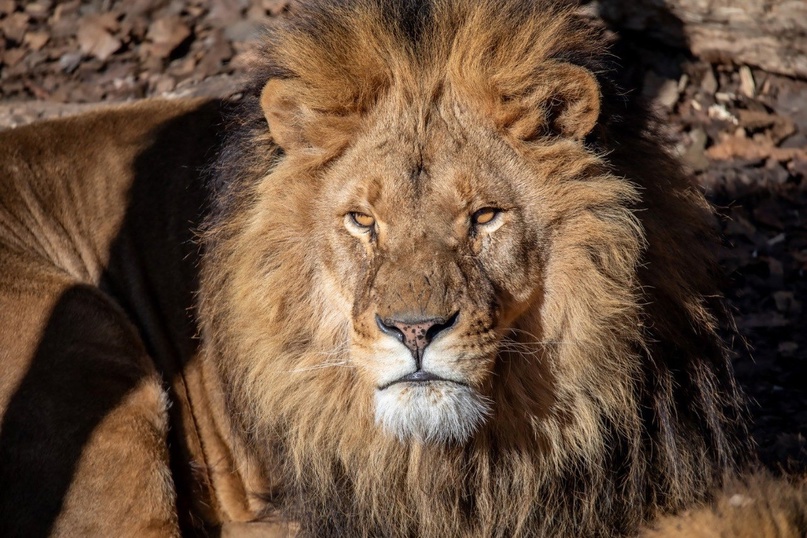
{"points": [[756, 506], [588, 388]]}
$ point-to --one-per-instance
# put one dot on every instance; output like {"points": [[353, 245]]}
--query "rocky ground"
{"points": [[741, 131]]}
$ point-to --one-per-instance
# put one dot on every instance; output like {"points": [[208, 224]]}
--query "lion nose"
{"points": [[416, 334]]}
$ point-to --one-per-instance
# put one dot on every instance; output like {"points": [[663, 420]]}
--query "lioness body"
{"points": [[443, 291]]}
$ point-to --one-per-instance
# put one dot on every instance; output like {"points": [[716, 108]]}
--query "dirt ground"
{"points": [[742, 133]]}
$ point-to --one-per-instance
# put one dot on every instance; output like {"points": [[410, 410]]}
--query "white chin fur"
{"points": [[433, 412]]}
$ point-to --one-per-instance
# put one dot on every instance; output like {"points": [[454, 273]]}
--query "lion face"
{"points": [[432, 214], [435, 248]]}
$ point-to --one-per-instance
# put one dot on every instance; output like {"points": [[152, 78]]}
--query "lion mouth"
{"points": [[419, 377]]}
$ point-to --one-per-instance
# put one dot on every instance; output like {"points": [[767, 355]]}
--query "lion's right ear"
{"points": [[298, 120]]}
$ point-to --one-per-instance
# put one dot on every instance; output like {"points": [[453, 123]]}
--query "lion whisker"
{"points": [[332, 352], [322, 366]]}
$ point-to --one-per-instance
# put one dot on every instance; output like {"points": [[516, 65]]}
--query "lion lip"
{"points": [[418, 376]]}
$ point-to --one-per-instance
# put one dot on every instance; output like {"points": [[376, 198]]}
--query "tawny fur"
{"points": [[756, 506], [611, 393], [95, 278]]}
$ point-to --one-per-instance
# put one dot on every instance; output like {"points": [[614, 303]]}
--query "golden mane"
{"points": [[639, 412]]}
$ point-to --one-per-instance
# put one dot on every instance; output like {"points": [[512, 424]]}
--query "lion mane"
{"points": [[608, 395]]}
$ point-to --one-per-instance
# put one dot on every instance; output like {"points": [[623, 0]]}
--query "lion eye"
{"points": [[362, 220], [485, 215]]}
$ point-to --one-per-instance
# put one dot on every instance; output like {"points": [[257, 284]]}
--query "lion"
{"points": [[430, 276]]}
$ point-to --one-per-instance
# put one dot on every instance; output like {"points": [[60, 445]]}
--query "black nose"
{"points": [[416, 334]]}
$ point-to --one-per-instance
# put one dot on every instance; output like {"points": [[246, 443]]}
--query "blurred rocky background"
{"points": [[727, 77]]}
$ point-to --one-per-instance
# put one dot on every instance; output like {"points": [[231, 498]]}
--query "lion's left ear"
{"points": [[300, 119], [565, 102]]}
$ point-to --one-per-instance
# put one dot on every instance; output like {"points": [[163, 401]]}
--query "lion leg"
{"points": [[83, 427]]}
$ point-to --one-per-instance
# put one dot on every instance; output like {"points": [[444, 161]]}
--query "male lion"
{"points": [[448, 286]]}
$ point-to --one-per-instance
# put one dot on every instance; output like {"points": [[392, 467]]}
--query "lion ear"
{"points": [[298, 120], [565, 103], [280, 101]]}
